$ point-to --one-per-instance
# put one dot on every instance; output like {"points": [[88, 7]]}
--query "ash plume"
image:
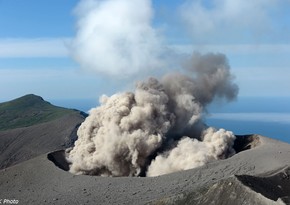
{"points": [[157, 129], [190, 153]]}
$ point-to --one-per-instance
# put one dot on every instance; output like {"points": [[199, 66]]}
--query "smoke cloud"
{"points": [[116, 36], [157, 129], [190, 153]]}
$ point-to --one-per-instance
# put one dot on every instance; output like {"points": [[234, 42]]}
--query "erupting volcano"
{"points": [[159, 128]]}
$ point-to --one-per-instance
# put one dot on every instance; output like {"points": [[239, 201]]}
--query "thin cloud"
{"points": [[53, 83], [34, 48], [232, 21], [234, 48], [255, 117]]}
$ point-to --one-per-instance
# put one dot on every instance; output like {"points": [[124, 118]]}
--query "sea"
{"points": [[267, 116]]}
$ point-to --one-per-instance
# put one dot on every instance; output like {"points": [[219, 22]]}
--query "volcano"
{"points": [[258, 174]]}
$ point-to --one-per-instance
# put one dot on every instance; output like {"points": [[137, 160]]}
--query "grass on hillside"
{"points": [[28, 110]]}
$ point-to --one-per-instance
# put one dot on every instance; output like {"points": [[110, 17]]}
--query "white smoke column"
{"points": [[123, 135], [116, 37], [190, 153]]}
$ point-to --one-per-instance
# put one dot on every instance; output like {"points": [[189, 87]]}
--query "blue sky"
{"points": [[36, 36]]}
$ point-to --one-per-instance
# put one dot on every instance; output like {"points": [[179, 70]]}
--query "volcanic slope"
{"points": [[259, 175], [30, 126]]}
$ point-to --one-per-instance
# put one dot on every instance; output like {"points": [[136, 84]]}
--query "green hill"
{"points": [[29, 110]]}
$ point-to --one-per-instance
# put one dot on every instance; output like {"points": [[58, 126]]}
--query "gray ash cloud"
{"points": [[158, 128]]}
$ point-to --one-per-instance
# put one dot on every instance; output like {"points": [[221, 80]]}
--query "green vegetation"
{"points": [[28, 110]]}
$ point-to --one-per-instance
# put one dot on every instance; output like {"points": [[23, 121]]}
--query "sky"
{"points": [[73, 49]]}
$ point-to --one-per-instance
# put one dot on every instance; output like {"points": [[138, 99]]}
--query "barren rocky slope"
{"points": [[35, 170], [246, 177]]}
